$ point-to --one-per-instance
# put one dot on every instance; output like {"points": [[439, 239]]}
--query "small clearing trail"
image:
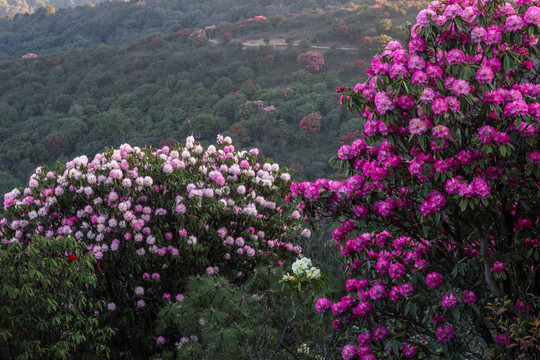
{"points": [[278, 42]]}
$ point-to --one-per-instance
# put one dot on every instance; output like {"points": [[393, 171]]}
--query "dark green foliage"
{"points": [[257, 320], [45, 308], [146, 96]]}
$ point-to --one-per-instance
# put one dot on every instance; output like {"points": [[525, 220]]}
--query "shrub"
{"points": [[311, 61], [153, 218], [310, 124], [255, 320], [439, 213]]}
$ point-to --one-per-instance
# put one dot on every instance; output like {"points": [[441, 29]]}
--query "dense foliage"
{"points": [[440, 211], [57, 108], [188, 250], [47, 306]]}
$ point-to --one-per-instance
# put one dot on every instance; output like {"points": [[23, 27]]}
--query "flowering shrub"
{"points": [[310, 124], [198, 37], [311, 61], [439, 213], [152, 218]]}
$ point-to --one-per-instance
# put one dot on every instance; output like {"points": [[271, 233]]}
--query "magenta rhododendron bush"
{"points": [[152, 218], [439, 215]]}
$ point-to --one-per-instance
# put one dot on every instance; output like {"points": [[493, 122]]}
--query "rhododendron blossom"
{"points": [[448, 170]]}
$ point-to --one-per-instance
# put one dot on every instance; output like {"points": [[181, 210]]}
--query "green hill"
{"points": [[167, 85]]}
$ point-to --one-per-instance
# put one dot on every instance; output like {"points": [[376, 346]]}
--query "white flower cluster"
{"points": [[303, 266]]}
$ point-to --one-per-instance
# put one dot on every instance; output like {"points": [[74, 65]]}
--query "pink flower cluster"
{"points": [[311, 61], [450, 140]]}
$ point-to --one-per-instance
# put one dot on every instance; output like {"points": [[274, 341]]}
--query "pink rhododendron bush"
{"points": [[439, 214], [153, 218], [311, 61]]}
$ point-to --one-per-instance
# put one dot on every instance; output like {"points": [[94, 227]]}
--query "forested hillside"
{"points": [[148, 75], [12, 7], [119, 23]]}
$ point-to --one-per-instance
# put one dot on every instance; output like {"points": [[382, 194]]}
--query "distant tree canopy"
{"points": [[142, 81]]}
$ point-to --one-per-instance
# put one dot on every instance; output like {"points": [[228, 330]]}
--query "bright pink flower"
{"points": [[501, 138], [418, 126], [497, 267], [339, 308], [484, 75], [377, 292], [406, 290], [461, 87], [383, 103], [382, 266], [468, 297], [480, 187], [322, 305], [408, 350], [363, 350], [514, 23], [427, 95], [455, 57], [396, 271], [493, 36], [439, 106], [363, 309], [532, 16], [348, 352], [434, 280], [478, 34], [364, 338], [445, 334], [449, 301], [486, 134]]}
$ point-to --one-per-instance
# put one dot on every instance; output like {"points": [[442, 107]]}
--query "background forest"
{"points": [[152, 73]]}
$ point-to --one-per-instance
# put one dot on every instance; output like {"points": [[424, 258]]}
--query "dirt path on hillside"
{"points": [[279, 42]]}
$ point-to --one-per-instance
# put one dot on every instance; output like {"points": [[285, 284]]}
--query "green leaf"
{"points": [[413, 309], [445, 27], [507, 63], [407, 308]]}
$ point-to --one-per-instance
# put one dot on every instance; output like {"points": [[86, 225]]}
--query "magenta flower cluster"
{"points": [[443, 178]]}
